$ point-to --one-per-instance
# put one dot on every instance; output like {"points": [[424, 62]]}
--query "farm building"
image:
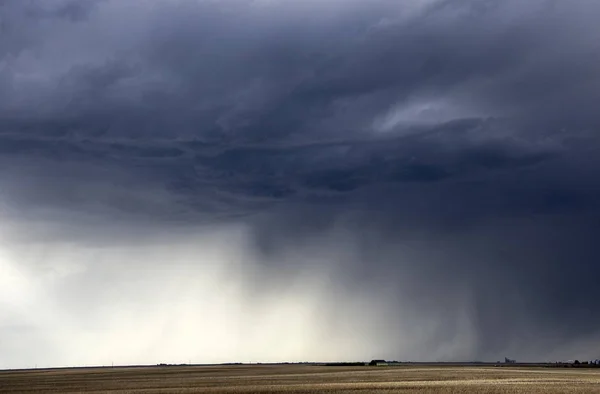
{"points": [[378, 362]]}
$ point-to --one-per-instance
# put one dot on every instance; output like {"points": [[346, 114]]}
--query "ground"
{"points": [[303, 379]]}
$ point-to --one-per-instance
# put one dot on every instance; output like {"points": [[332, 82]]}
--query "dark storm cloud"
{"points": [[439, 157]]}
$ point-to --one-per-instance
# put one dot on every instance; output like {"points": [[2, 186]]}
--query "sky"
{"points": [[213, 181]]}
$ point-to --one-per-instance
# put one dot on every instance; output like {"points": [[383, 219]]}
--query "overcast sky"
{"points": [[269, 180]]}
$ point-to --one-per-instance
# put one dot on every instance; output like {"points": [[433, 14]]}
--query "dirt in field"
{"points": [[301, 379]]}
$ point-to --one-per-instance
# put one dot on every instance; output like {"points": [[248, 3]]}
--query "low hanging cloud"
{"points": [[279, 181]]}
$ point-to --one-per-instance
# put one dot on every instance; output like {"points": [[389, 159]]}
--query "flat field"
{"points": [[303, 379]]}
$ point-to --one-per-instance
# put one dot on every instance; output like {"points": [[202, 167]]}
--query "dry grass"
{"points": [[302, 379]]}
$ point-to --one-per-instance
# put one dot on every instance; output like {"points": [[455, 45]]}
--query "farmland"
{"points": [[303, 379]]}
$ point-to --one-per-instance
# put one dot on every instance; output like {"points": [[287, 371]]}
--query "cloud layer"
{"points": [[272, 180]]}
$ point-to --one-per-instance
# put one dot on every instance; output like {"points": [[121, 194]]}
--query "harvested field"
{"points": [[303, 379]]}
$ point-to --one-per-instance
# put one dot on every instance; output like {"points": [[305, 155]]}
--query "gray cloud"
{"points": [[297, 181]]}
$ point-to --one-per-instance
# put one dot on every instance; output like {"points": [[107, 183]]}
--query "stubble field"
{"points": [[303, 379]]}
